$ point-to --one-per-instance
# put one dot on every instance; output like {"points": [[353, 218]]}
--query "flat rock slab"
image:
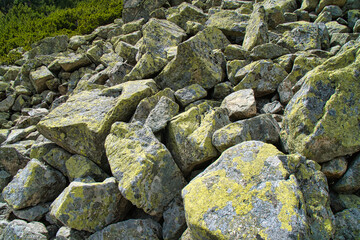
{"points": [[90, 206], [321, 120], [81, 124], [144, 168], [254, 191]]}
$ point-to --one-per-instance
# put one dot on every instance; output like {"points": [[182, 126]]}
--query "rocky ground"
{"points": [[202, 119]]}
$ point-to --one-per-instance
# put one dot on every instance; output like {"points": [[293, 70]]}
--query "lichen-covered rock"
{"points": [[321, 122], [11, 159], [189, 135], [147, 174], [49, 45], [78, 166], [257, 29], [340, 202], [40, 77], [36, 183], [158, 35], [222, 90], [164, 110], [190, 94], [81, 124], [268, 51], [174, 220], [324, 3], [347, 224], [261, 128], [335, 168], [90, 206], [309, 5], [350, 181], [186, 12], [275, 10], [254, 191], [272, 107], [335, 27], [135, 9], [196, 62], [148, 104], [230, 22], [232, 67], [33, 213], [126, 51], [19, 229], [74, 62], [66, 233], [5, 178], [146, 229], [240, 104], [7, 103], [262, 76]]}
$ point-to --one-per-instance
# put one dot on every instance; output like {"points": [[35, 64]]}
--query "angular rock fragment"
{"points": [[33, 213], [78, 166], [36, 183], [73, 62], [11, 159], [19, 229], [174, 220], [254, 191], [186, 12], [350, 181], [190, 94], [189, 135], [347, 224], [134, 9], [240, 104], [90, 206], [261, 128], [196, 62], [321, 120], [268, 51], [147, 174], [81, 124], [335, 168], [40, 77]]}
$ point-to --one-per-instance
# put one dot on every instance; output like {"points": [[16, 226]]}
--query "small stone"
{"points": [[356, 28], [126, 51], [12, 159], [186, 12], [16, 135], [347, 224], [273, 107], [66, 233], [240, 104], [335, 168], [232, 67], [174, 220], [350, 181], [236, 52], [190, 94], [335, 27], [33, 213], [40, 77], [7, 103], [74, 62], [222, 90], [340, 202], [19, 229], [5, 178]]}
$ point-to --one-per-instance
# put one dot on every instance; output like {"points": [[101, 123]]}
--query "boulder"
{"points": [[147, 174], [262, 76], [254, 191], [7, 103], [36, 183], [350, 181], [347, 224], [66, 233], [340, 202], [135, 9], [126, 51], [335, 27], [320, 121], [146, 229], [19, 229], [174, 220], [189, 135], [5, 178], [81, 124], [309, 5], [240, 104], [11, 159], [49, 46], [33, 213], [186, 12], [256, 30], [323, 3], [261, 128], [268, 51], [190, 94], [78, 166], [90, 206], [74, 62], [232, 67], [196, 62], [334, 169], [40, 77]]}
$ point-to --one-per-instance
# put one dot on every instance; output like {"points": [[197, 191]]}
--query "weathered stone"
{"points": [[240, 104], [324, 17], [256, 30], [272, 107], [189, 135], [11, 159], [190, 94], [261, 128], [196, 62], [309, 5], [356, 28], [94, 53], [117, 73], [340, 202], [126, 51], [90, 206], [66, 233], [110, 59], [335, 27], [21, 102], [11, 73], [234, 51], [232, 67], [268, 51], [148, 104], [5, 178], [146, 229], [133, 9], [323, 3], [275, 10], [347, 224], [131, 38], [192, 28], [78, 166], [186, 12], [335, 168], [352, 17], [262, 76], [350, 181], [314, 125], [81, 124], [221, 90], [76, 41], [230, 22], [147, 174], [19, 229], [174, 220], [164, 110], [74, 62], [254, 191], [36, 183], [16, 135], [33, 213], [133, 26], [158, 36], [7, 103], [39, 78], [49, 46]]}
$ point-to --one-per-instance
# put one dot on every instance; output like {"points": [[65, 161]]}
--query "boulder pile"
{"points": [[203, 119]]}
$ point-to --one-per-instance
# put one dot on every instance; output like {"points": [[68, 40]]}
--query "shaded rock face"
{"points": [[204, 119]]}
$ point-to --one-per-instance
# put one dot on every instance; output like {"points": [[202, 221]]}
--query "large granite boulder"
{"points": [[147, 174], [36, 183], [90, 206], [321, 120], [196, 62], [81, 124], [253, 191]]}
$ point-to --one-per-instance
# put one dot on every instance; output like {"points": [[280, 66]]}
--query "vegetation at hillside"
{"points": [[25, 22]]}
